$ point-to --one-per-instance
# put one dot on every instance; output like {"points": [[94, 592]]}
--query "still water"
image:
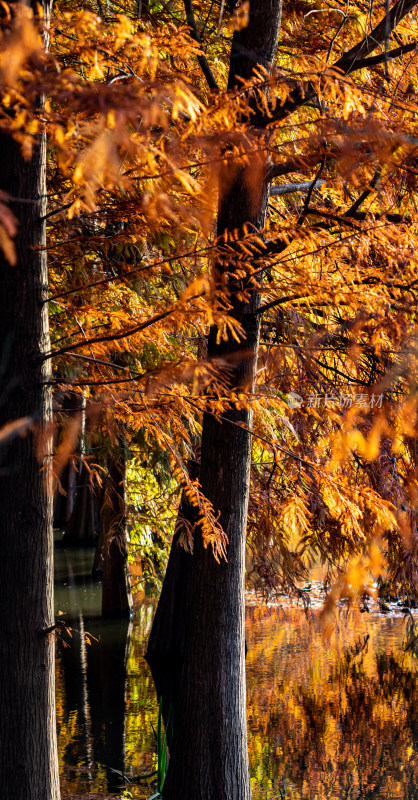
{"points": [[332, 717]]}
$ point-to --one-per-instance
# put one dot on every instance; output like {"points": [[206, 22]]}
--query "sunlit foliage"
{"points": [[136, 142]]}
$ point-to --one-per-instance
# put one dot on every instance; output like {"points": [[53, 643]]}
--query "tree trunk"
{"points": [[28, 752], [72, 405], [117, 596], [209, 758], [167, 640], [83, 525]]}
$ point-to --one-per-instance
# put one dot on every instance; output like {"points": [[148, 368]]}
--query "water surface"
{"points": [[332, 717]]}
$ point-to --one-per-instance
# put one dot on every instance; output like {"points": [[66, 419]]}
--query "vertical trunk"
{"points": [[117, 597], [83, 524], [72, 405], [167, 640], [28, 752], [209, 759]]}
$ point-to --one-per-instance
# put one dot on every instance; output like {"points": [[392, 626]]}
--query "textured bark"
{"points": [[209, 758], [28, 752], [117, 596]]}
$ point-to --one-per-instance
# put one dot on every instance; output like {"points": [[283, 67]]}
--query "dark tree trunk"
{"points": [[28, 751], [167, 640], [97, 568], [72, 405], [82, 527], [117, 596], [209, 758]]}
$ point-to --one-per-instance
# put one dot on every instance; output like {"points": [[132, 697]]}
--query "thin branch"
{"points": [[289, 188], [293, 165], [364, 195], [360, 216], [210, 79], [110, 337], [132, 272], [113, 337], [104, 363], [56, 211], [348, 61], [372, 61], [310, 192], [278, 302]]}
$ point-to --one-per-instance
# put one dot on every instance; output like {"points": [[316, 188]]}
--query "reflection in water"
{"points": [[94, 683], [105, 699], [335, 718]]}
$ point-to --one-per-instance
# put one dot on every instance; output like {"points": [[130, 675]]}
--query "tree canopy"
{"points": [[141, 127], [231, 241]]}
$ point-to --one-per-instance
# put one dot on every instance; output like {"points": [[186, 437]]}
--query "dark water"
{"points": [[329, 717]]}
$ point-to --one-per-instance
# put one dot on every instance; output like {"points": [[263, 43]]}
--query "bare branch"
{"points": [[110, 338], [310, 191], [289, 188], [295, 164], [348, 61], [372, 61], [210, 79], [278, 302]]}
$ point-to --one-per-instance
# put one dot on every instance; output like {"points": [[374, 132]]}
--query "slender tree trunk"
{"points": [[209, 758], [28, 751], [117, 596], [72, 404], [83, 525]]}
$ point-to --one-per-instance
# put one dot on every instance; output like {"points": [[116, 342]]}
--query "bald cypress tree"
{"points": [[28, 752]]}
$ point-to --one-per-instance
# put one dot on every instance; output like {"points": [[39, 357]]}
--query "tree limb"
{"points": [[111, 337], [278, 302], [310, 191], [210, 79], [289, 188], [372, 61], [348, 62]]}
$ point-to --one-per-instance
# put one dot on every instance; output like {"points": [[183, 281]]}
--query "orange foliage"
{"points": [[136, 143]]}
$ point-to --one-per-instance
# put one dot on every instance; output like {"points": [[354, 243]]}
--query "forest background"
{"points": [[230, 237]]}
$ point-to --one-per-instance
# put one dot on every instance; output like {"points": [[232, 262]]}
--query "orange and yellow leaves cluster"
{"points": [[137, 144]]}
